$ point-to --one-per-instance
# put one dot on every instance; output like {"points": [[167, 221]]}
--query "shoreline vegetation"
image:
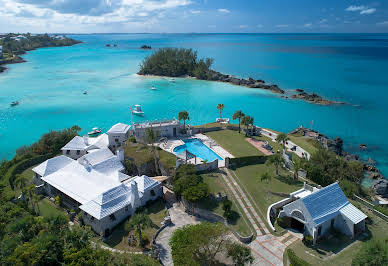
{"points": [[174, 62], [14, 45]]}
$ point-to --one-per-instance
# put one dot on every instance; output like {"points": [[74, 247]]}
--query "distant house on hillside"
{"points": [[79, 146], [315, 212], [118, 134], [166, 128]]}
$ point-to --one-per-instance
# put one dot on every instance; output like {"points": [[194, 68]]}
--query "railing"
{"points": [[371, 207]]}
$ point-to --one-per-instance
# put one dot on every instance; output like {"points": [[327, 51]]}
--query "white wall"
{"points": [[117, 139]]}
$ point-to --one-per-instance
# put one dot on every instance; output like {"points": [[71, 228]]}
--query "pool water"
{"points": [[196, 147]]}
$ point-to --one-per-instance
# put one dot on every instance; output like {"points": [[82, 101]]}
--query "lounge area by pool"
{"points": [[196, 147]]}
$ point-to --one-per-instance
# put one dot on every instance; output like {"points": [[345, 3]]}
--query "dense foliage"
{"points": [[241, 255], [199, 244], [373, 253], [29, 239], [295, 260], [325, 167], [190, 185], [13, 47], [174, 62]]}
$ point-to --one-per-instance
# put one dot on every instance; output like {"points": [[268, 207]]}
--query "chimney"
{"points": [[135, 195], [120, 155], [86, 140]]}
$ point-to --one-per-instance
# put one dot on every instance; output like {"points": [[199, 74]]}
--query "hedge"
{"points": [[295, 260], [23, 165]]}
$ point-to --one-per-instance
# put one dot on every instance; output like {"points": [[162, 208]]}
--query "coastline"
{"points": [[260, 84]]}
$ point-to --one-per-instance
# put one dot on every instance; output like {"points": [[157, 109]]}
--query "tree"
{"points": [[373, 253], [298, 164], [138, 222], [238, 115], [227, 208], [277, 161], [183, 115], [21, 182], [266, 177], [151, 137], [220, 107], [282, 138], [240, 254], [247, 121], [196, 192], [199, 244]]}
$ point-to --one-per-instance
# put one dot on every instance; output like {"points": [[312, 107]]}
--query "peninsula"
{"points": [[13, 45], [174, 62]]}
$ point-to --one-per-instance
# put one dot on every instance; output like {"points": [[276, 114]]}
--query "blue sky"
{"points": [[267, 16]]}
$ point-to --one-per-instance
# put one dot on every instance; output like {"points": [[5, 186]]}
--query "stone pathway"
{"points": [[266, 248]]}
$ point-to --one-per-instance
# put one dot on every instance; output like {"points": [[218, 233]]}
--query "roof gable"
{"points": [[325, 203], [119, 128], [144, 182], [77, 143], [52, 165]]}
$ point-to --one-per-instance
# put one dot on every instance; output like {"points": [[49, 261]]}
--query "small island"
{"points": [[181, 62], [13, 45]]}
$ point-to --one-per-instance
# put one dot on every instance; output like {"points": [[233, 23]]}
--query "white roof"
{"points": [[77, 143], [109, 167], [97, 156], [99, 142], [352, 213], [144, 183], [79, 182], [119, 128], [52, 165], [109, 202]]}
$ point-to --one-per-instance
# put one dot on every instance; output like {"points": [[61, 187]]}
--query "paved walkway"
{"points": [[266, 248]]}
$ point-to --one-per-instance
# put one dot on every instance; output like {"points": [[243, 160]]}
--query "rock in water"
{"points": [[381, 187]]}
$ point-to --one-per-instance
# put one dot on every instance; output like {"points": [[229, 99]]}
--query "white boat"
{"points": [[137, 110], [172, 80], [152, 88], [95, 131]]}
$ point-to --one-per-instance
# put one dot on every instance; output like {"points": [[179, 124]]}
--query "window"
{"points": [[67, 151], [92, 218], [112, 217], [78, 152], [116, 140], [319, 230], [332, 223], [152, 193], [126, 208]]}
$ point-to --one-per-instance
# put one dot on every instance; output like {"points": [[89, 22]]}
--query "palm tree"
{"points": [[238, 115], [266, 177], [138, 222], [36, 198], [21, 182], [247, 121], [151, 137], [183, 115], [220, 107], [282, 138], [298, 164], [276, 160]]}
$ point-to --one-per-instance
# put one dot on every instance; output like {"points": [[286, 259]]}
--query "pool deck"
{"points": [[210, 143]]}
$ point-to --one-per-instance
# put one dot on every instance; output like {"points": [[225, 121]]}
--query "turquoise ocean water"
{"points": [[350, 68]]}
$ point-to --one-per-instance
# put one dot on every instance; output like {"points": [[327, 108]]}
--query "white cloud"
{"points": [[223, 10], [282, 26], [368, 11], [195, 11], [308, 25], [383, 23], [243, 26], [364, 10]]}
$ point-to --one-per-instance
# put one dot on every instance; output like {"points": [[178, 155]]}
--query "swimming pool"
{"points": [[196, 147]]}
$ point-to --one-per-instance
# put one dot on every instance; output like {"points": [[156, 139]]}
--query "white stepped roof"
{"points": [[109, 202], [109, 167], [99, 142], [119, 128], [352, 213], [77, 143], [52, 165], [145, 183], [79, 182], [97, 156]]}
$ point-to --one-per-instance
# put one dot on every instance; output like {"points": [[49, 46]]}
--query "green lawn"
{"points": [[327, 254], [252, 166], [307, 144], [216, 184], [215, 124], [156, 211], [49, 209]]}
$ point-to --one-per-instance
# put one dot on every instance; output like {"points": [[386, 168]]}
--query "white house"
{"points": [[166, 128], [79, 146], [316, 211], [118, 134], [50, 166]]}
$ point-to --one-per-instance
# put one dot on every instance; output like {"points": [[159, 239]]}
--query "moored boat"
{"points": [[136, 110], [153, 88], [14, 103], [95, 131]]}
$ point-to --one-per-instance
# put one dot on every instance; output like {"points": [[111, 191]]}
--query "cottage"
{"points": [[79, 146], [167, 128], [315, 212], [118, 134]]}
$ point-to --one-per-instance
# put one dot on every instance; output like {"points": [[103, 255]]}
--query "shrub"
{"points": [[308, 240], [295, 260], [284, 222], [132, 139], [58, 200]]}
